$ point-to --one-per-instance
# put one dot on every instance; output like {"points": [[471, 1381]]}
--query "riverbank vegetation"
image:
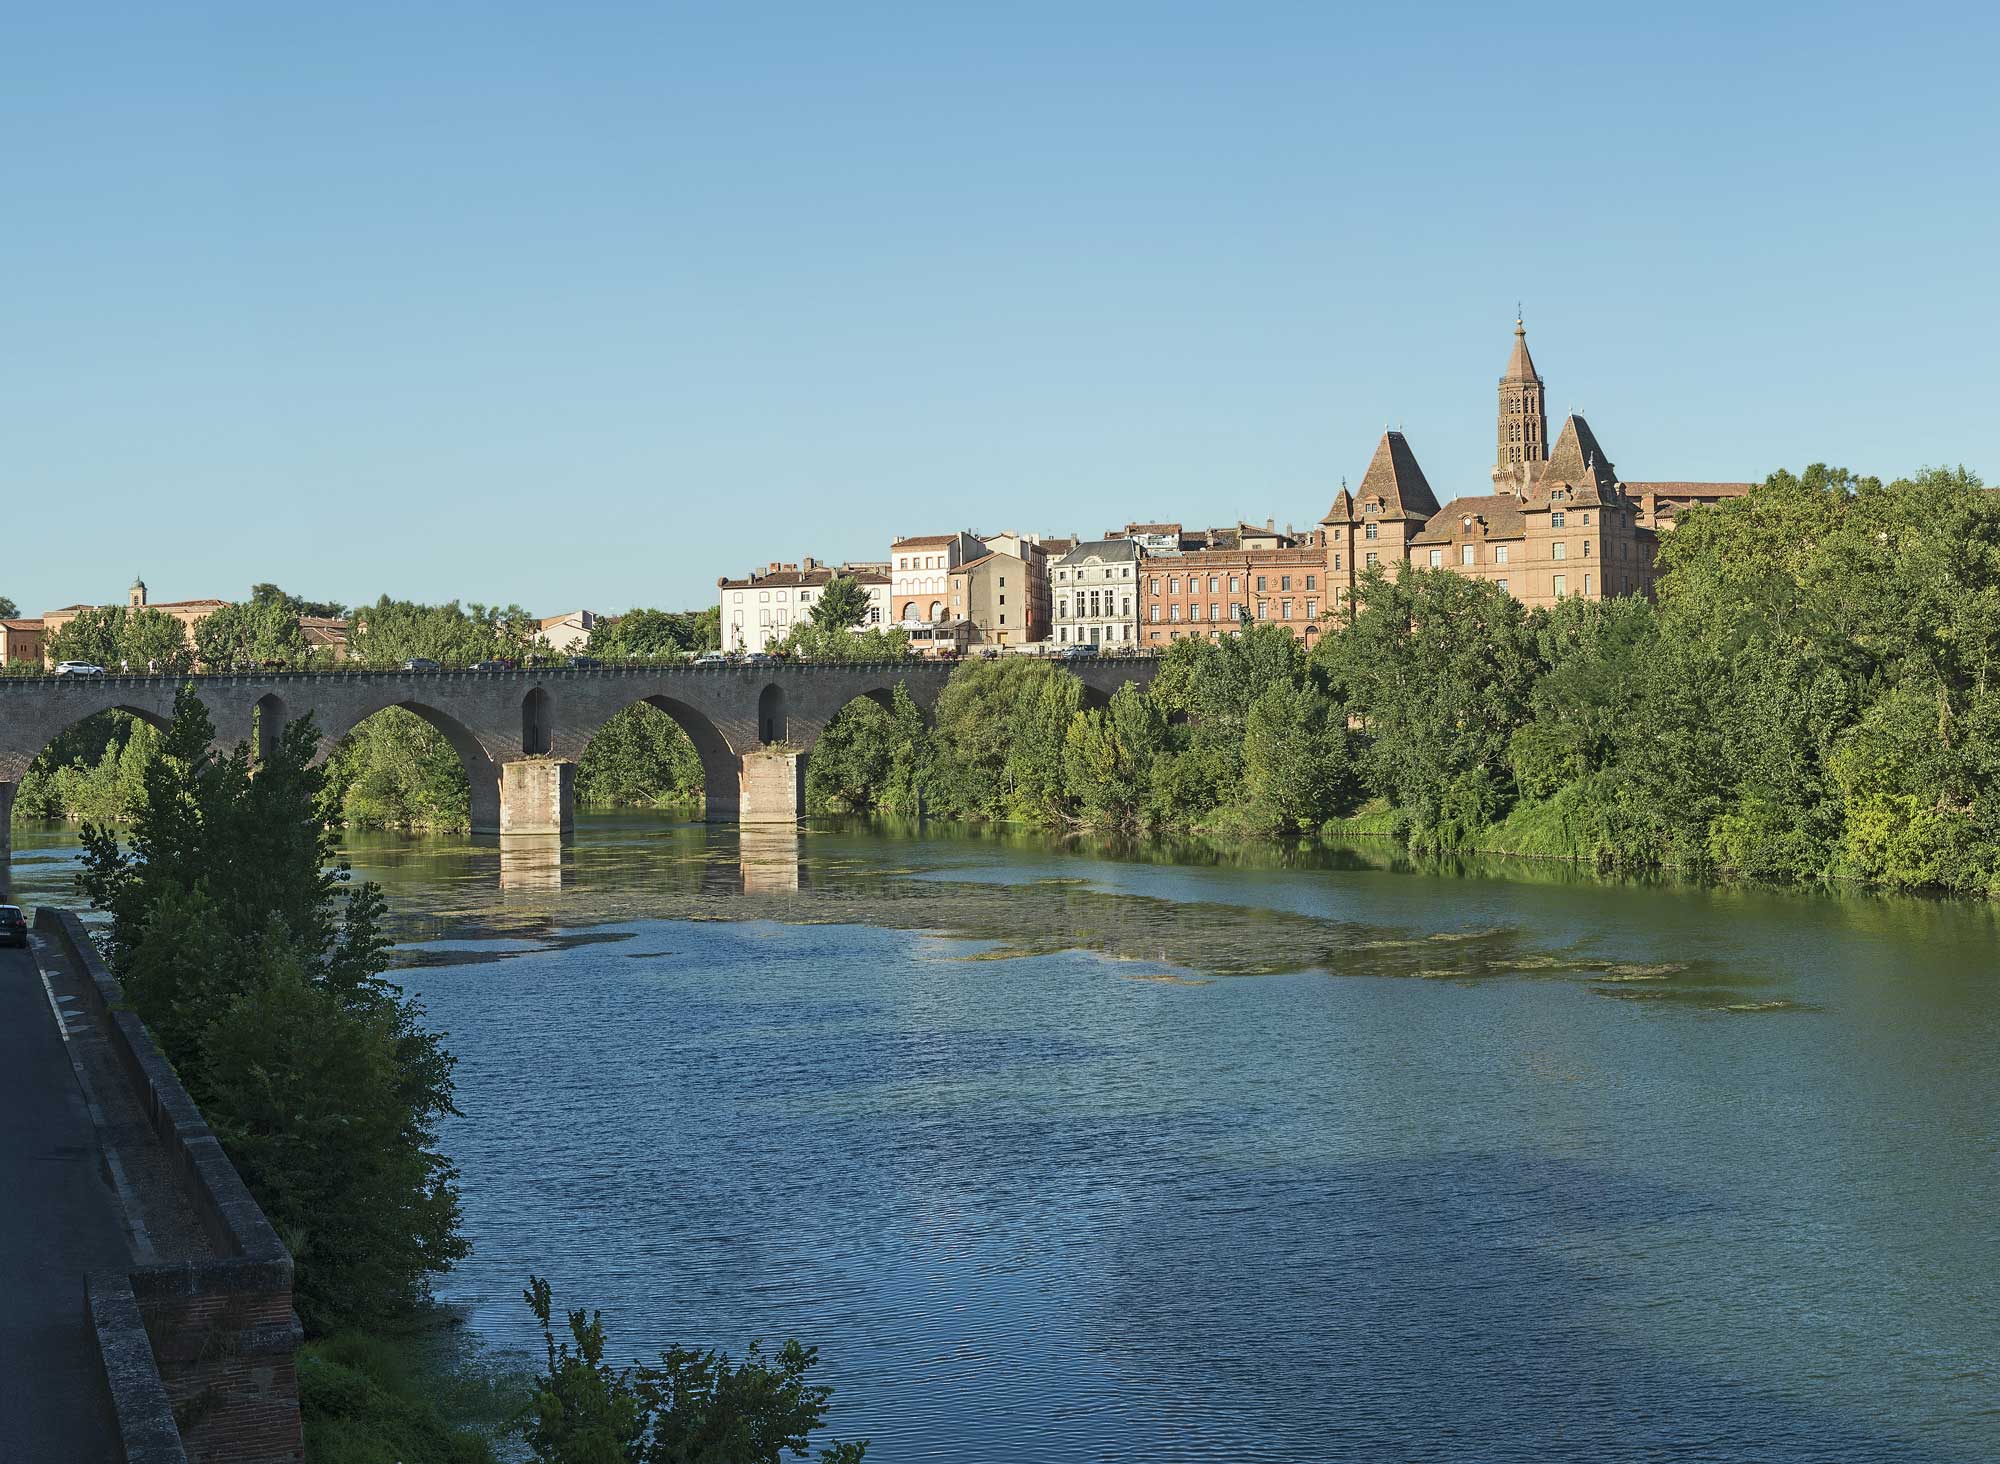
{"points": [[1813, 696], [1810, 697], [258, 968]]}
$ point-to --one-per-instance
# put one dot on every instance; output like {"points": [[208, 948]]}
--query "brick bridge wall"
{"points": [[493, 718]]}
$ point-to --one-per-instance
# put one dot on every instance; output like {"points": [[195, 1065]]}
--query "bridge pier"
{"points": [[532, 796], [771, 787]]}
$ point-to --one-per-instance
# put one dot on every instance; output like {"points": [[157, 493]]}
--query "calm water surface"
{"points": [[1072, 1158]]}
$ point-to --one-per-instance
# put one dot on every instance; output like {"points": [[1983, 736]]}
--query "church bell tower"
{"points": [[1524, 421]]}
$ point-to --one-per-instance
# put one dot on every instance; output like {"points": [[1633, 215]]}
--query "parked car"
{"points": [[13, 925], [584, 662], [489, 665], [78, 668], [422, 663], [711, 658], [1077, 653], [758, 658]]}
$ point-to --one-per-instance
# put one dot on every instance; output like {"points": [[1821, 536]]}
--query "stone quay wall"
{"points": [[221, 1339]]}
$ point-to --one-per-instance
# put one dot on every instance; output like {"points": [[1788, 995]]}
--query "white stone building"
{"points": [[1096, 592], [761, 610]]}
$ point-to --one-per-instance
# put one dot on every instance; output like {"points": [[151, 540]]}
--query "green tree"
{"points": [[808, 640], [842, 605], [1295, 766], [639, 759], [253, 633], [643, 635], [390, 632], [95, 636], [1438, 667], [152, 640], [317, 1075], [695, 1407], [8, 609], [269, 594]]}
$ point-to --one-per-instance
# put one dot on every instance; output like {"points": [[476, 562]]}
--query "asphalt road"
{"points": [[58, 1220]]}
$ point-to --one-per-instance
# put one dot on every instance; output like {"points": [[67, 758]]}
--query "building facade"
{"points": [[1096, 590], [568, 634], [919, 574], [20, 641], [1205, 594], [993, 598], [761, 610]]}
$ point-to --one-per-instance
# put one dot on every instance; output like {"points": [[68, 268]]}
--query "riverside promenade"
{"points": [[59, 1221]]}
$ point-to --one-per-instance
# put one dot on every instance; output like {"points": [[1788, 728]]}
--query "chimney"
{"points": [[808, 563], [1270, 526]]}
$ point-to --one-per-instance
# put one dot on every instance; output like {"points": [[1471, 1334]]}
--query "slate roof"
{"points": [[1112, 550], [924, 541], [1393, 475], [1502, 512]]}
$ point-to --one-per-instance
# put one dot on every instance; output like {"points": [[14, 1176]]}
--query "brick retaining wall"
{"points": [[224, 1338]]}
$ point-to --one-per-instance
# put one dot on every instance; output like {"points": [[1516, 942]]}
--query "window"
{"points": [[1235, 610], [1260, 581], [1336, 561], [1003, 598], [763, 617], [1556, 519], [1466, 555], [1235, 584], [1624, 552], [1586, 548], [764, 597], [1368, 531], [1211, 584], [1214, 610], [1562, 585], [1500, 554], [1174, 612], [1312, 609], [1063, 634], [1284, 582], [1062, 609], [1312, 581], [1284, 609], [1586, 583], [1156, 584], [1371, 559], [784, 597], [1263, 609], [1437, 559], [1128, 607], [1156, 612], [1503, 586], [1558, 550], [1586, 521]]}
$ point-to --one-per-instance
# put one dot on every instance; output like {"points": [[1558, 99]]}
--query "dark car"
{"points": [[421, 663], [13, 925], [489, 665], [584, 662]]}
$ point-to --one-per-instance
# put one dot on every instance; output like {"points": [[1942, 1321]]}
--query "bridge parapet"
{"points": [[729, 710]]}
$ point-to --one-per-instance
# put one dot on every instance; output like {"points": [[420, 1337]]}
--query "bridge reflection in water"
{"points": [[531, 862], [768, 857]]}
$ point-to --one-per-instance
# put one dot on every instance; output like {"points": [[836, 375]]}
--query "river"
{"points": [[1065, 1154]]}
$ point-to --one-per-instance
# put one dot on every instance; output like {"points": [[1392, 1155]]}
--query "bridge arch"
{"points": [[771, 713], [482, 770], [538, 724], [15, 763]]}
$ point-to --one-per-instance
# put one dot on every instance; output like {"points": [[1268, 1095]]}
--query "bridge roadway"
{"points": [[520, 732]]}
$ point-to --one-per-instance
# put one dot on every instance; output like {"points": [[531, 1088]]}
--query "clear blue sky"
{"points": [[587, 304]]}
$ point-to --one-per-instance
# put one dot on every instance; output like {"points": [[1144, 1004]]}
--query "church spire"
{"points": [[1524, 420]]}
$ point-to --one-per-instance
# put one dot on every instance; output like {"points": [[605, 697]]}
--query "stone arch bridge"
{"points": [[520, 732]]}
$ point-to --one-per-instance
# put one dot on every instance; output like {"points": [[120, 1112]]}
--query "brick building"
{"points": [[1206, 594], [20, 640]]}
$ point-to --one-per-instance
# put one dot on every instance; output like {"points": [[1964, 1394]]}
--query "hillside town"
{"points": [[1556, 521]]}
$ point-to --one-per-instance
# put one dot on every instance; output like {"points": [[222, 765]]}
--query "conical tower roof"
{"points": [[1520, 365], [1579, 461], [1394, 476]]}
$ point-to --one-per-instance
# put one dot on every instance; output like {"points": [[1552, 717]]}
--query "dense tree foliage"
{"points": [[265, 992], [8, 609], [115, 637], [644, 635], [390, 632], [257, 632]]}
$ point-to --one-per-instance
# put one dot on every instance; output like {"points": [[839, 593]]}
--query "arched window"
{"points": [[937, 611]]}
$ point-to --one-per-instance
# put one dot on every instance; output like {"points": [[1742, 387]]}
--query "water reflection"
{"points": [[530, 862], [768, 857]]}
